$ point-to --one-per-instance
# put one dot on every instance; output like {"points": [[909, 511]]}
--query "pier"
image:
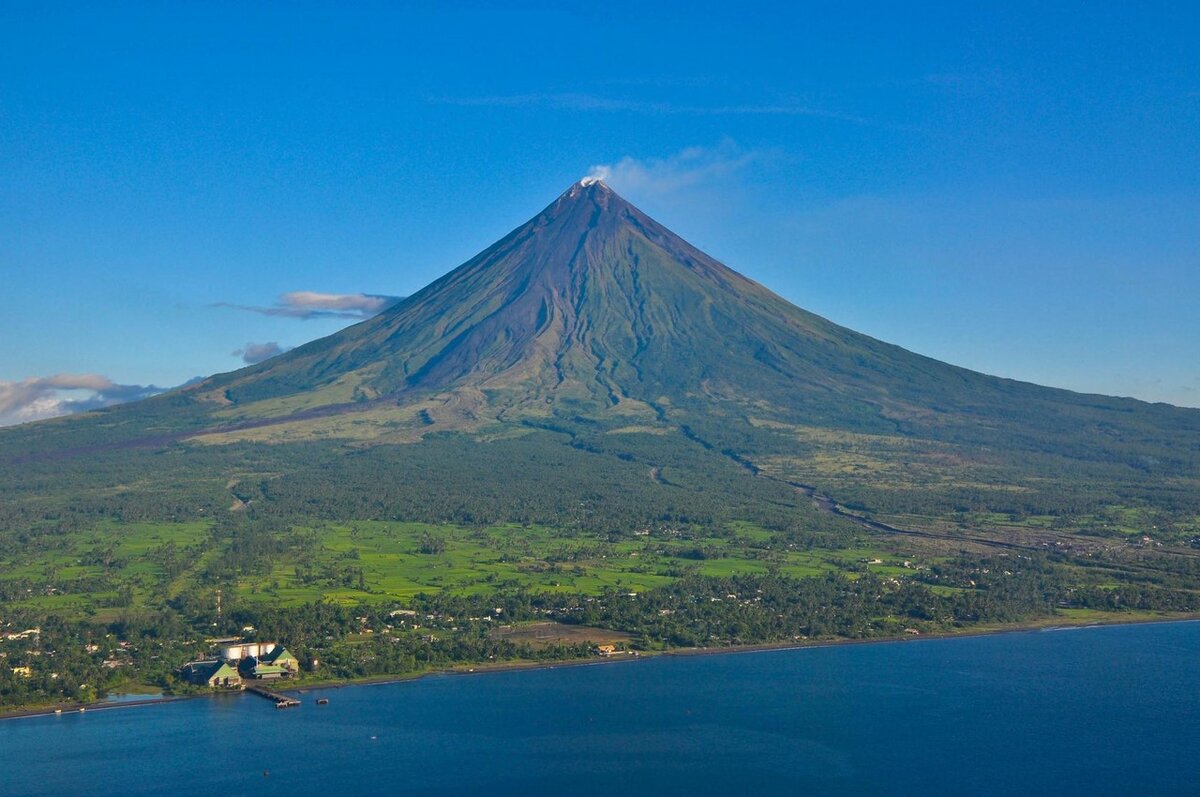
{"points": [[281, 701]]}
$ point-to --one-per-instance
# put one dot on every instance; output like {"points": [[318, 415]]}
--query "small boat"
{"points": [[322, 701], [58, 711]]}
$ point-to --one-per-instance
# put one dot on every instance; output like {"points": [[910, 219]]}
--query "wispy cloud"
{"points": [[686, 169], [310, 304], [41, 397], [593, 102], [253, 353]]}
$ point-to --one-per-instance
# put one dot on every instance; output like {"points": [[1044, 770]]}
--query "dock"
{"points": [[281, 701]]}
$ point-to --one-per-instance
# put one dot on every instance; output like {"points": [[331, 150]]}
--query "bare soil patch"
{"points": [[550, 633]]}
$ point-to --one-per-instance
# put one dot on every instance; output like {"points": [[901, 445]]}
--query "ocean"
{"points": [[1096, 711]]}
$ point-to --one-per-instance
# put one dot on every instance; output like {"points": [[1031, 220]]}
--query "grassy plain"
{"points": [[385, 562]]}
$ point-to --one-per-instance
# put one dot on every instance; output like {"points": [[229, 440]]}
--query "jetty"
{"points": [[281, 701]]}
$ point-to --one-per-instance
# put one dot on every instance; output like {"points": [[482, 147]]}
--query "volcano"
{"points": [[595, 321], [593, 308], [590, 301]]}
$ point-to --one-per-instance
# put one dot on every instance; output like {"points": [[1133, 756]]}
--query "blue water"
{"points": [[1093, 711]]}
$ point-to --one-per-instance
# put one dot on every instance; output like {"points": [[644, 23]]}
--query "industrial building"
{"points": [[242, 662]]}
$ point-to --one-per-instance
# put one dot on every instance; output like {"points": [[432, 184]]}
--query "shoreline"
{"points": [[1045, 624]]}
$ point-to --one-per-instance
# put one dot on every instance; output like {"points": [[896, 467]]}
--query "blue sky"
{"points": [[1013, 188]]}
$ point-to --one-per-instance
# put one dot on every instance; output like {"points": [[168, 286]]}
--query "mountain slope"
{"points": [[592, 319], [594, 304]]}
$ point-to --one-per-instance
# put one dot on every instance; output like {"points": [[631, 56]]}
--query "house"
{"points": [[216, 673], [26, 634], [278, 662], [606, 650], [281, 657], [260, 671], [24, 672]]}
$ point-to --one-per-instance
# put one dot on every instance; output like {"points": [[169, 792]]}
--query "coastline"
{"points": [[99, 705], [1044, 624]]}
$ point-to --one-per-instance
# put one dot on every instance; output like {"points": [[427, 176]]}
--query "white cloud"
{"points": [[686, 169], [311, 304], [41, 397], [253, 353]]}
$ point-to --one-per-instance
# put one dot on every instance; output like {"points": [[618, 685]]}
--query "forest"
{"points": [[709, 537]]}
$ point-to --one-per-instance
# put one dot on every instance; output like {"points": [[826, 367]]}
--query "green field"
{"points": [[390, 562]]}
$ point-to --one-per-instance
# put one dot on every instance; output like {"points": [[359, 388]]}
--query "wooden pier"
{"points": [[281, 701]]}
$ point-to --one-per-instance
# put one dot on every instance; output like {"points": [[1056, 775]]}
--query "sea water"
{"points": [[1112, 710]]}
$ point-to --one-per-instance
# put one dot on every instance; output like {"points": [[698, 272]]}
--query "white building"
{"points": [[246, 650]]}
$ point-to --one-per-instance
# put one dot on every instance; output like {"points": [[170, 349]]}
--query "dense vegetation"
{"points": [[82, 658], [569, 526], [696, 539]]}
